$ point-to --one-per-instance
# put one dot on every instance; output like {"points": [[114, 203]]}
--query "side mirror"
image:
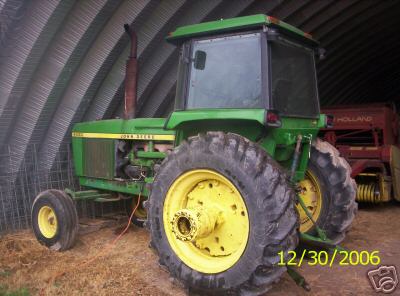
{"points": [[329, 119], [321, 52], [200, 60], [272, 35]]}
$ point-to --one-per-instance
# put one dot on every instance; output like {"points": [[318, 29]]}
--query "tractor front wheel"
{"points": [[55, 220], [220, 212], [328, 192]]}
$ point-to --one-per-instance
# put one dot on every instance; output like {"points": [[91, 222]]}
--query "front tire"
{"points": [[55, 220], [329, 193], [235, 175]]}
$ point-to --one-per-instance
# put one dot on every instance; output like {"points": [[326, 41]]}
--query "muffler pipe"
{"points": [[131, 76]]}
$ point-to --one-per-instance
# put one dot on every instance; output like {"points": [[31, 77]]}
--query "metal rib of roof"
{"points": [[63, 62]]}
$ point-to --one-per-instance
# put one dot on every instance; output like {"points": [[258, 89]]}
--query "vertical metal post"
{"points": [[296, 157]]}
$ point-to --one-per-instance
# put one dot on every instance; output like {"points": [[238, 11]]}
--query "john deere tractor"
{"points": [[235, 174]]}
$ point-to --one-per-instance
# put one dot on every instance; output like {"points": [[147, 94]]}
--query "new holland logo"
{"points": [[354, 119]]}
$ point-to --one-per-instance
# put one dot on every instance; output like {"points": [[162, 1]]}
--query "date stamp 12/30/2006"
{"points": [[383, 279], [324, 258]]}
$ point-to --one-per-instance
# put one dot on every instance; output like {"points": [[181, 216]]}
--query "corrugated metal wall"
{"points": [[62, 61]]}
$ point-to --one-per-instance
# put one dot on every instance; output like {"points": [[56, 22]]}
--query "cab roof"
{"points": [[235, 24]]}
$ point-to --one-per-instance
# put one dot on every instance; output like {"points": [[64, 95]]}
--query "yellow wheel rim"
{"points": [[206, 221], [47, 221], [310, 192]]}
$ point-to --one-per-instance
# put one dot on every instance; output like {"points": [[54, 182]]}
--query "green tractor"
{"points": [[234, 176]]}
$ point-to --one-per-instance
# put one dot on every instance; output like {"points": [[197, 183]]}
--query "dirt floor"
{"points": [[131, 267]]}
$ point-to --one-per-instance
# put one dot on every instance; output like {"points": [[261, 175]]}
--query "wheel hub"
{"points": [[192, 224], [311, 195], [47, 222], [206, 221]]}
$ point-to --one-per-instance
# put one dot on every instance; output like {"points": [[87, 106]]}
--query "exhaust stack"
{"points": [[131, 76]]}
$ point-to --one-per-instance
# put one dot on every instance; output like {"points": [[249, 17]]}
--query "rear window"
{"points": [[293, 80]]}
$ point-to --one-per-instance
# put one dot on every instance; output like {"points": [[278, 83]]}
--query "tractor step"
{"points": [[95, 195], [106, 198]]}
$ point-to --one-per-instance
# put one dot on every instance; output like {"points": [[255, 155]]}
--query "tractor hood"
{"points": [[135, 129]]}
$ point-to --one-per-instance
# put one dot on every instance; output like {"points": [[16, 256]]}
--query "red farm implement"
{"points": [[368, 136]]}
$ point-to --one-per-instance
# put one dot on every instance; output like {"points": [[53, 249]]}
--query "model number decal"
{"points": [[123, 136], [137, 136]]}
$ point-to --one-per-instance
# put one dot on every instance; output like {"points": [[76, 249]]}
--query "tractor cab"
{"points": [[256, 62], [248, 75]]}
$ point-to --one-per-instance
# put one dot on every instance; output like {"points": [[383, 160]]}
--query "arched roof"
{"points": [[63, 61]]}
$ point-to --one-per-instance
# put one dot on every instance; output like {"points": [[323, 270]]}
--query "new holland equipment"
{"points": [[235, 174], [367, 136]]}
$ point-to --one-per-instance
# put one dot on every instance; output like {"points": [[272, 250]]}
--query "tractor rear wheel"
{"points": [[55, 220], [220, 211], [328, 192]]}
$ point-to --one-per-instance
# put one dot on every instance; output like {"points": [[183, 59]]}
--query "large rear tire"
{"points": [[329, 193], [247, 186]]}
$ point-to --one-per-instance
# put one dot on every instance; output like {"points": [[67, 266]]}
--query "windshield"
{"points": [[226, 73], [293, 82]]}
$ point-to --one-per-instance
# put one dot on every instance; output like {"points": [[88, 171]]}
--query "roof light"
{"points": [[273, 20], [329, 119], [308, 35], [272, 119]]}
